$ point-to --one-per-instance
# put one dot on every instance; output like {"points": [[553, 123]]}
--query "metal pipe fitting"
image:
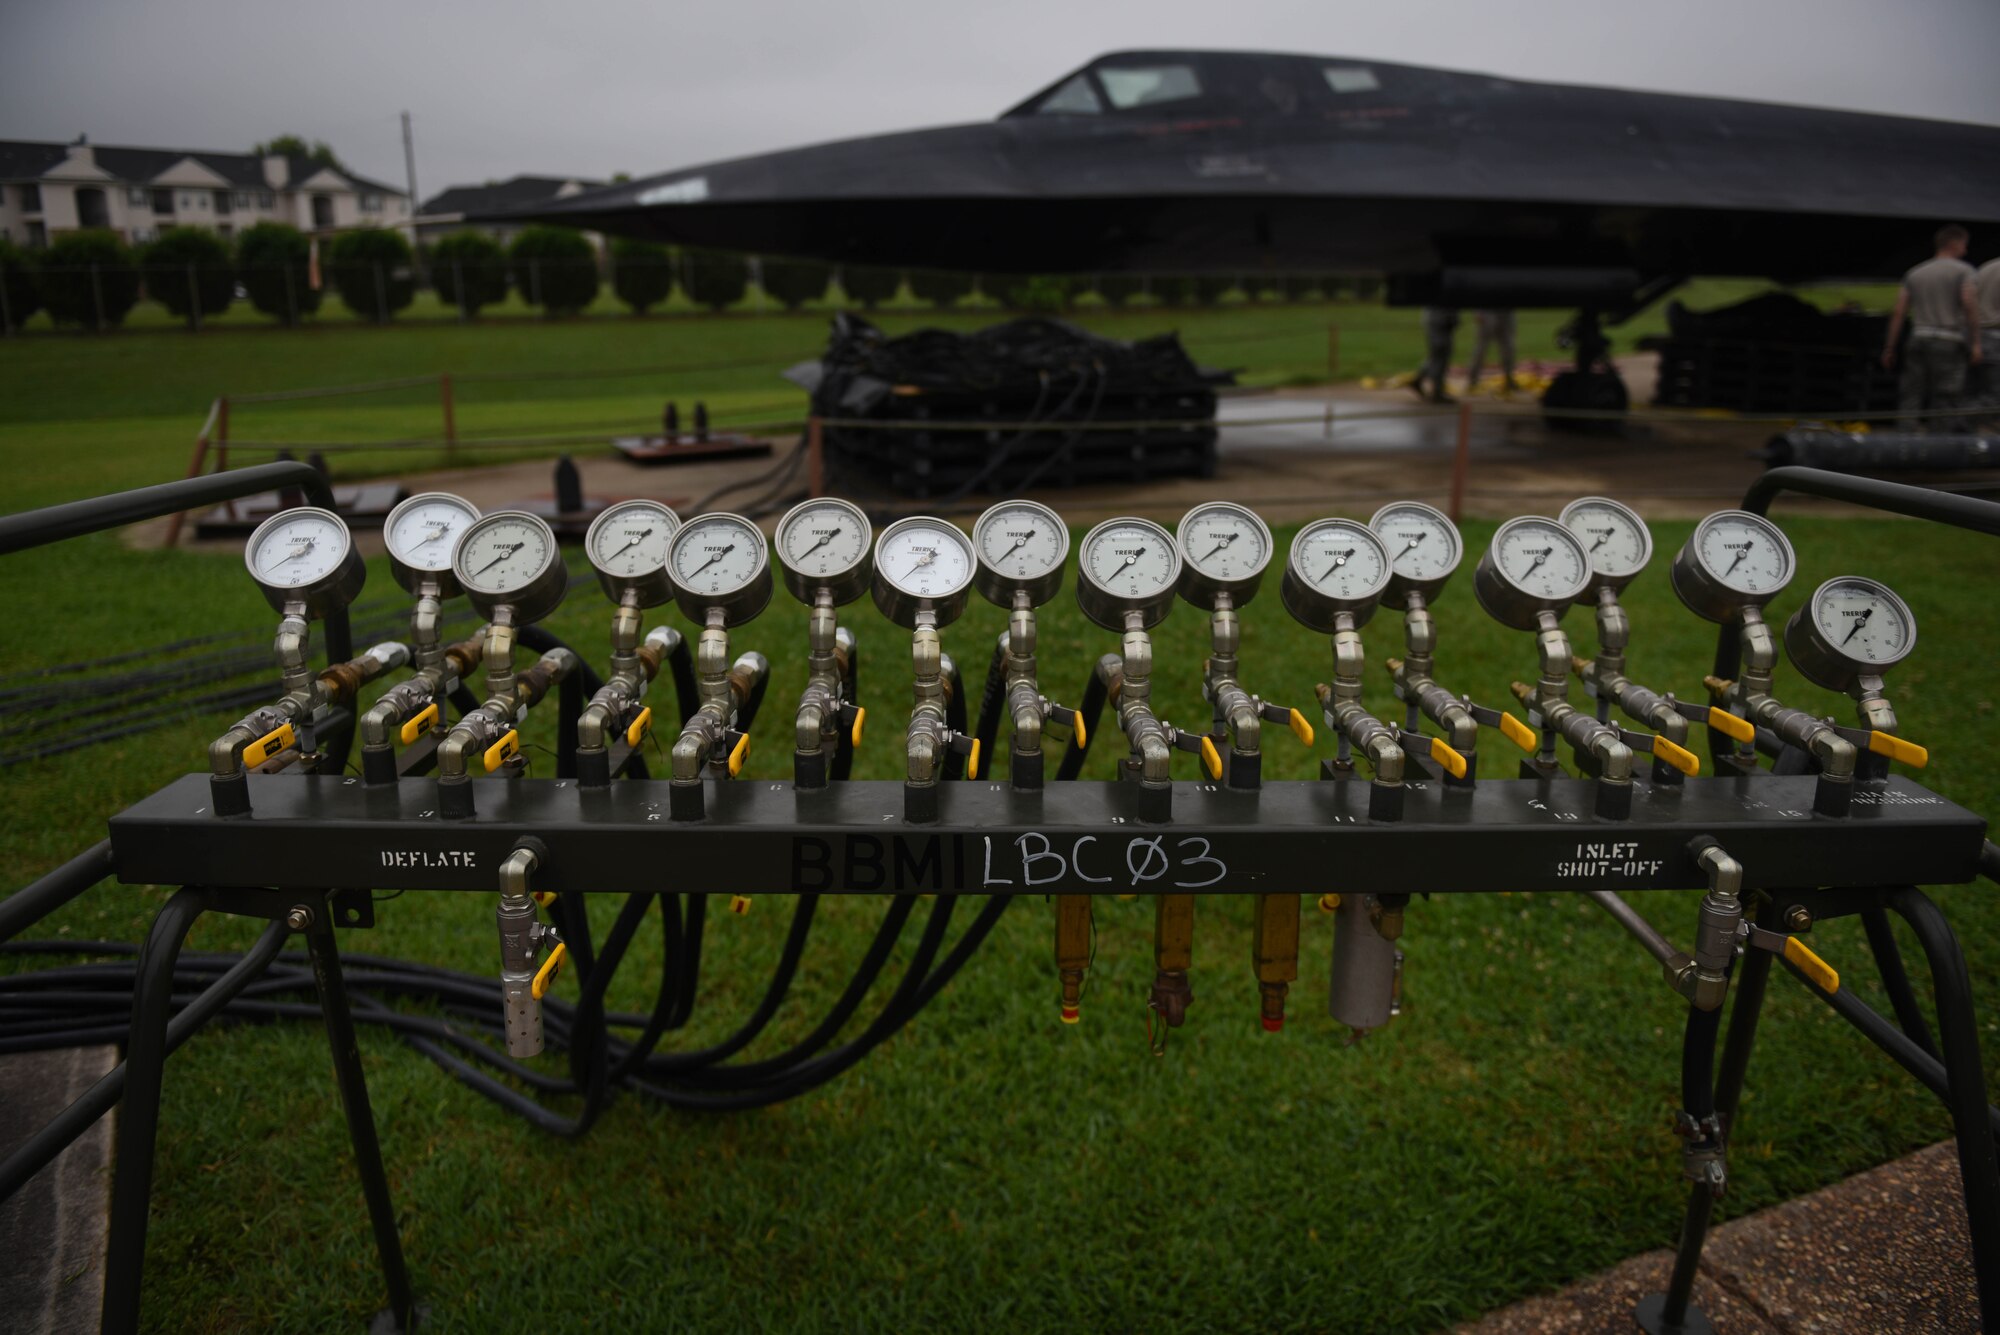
{"points": [[1836, 755], [520, 941], [1365, 990], [1420, 691]]}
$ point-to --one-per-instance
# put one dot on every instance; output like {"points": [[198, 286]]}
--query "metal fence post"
{"points": [[194, 298], [1461, 460], [6, 307], [445, 402], [1332, 352], [200, 456], [381, 296], [815, 457], [97, 298], [535, 285], [458, 288], [291, 297]]}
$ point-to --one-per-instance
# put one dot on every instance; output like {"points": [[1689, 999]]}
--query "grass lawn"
{"points": [[988, 1166]]}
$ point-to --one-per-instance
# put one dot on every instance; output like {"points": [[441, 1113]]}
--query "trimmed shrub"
{"points": [[717, 279], [68, 289], [17, 281], [1367, 288], [274, 261], [941, 288], [1041, 292], [1305, 287], [469, 270], [372, 270], [869, 285], [642, 273], [792, 283], [1119, 288], [554, 268], [188, 270]]}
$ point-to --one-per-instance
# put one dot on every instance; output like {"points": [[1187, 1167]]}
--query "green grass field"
{"points": [[989, 1165]]}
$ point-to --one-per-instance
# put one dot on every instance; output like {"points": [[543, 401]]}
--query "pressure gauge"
{"points": [[510, 559], [1852, 627], [922, 563], [421, 534], [1535, 565], [1614, 538], [1224, 549], [719, 560], [305, 555], [627, 545], [1127, 566], [1424, 547], [1336, 566], [1021, 547], [1731, 561], [823, 544]]}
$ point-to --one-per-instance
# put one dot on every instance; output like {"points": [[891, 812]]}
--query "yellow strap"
{"points": [[1210, 759], [736, 755], [1729, 725], [1909, 753], [972, 761], [1517, 732], [1301, 729], [426, 719], [1824, 976], [1453, 762], [1682, 759], [640, 727], [739, 904], [261, 750], [503, 750], [551, 966], [854, 733], [1082, 737]]}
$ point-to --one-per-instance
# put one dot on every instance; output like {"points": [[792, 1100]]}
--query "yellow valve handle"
{"points": [[736, 754], [1909, 753], [1082, 737], [425, 720], [641, 726], [280, 739], [1453, 762], [544, 898], [1824, 975], [1211, 760], [1300, 728], [1682, 759], [1329, 903], [1729, 725], [739, 904], [854, 733], [503, 750], [1517, 732], [546, 975], [972, 761]]}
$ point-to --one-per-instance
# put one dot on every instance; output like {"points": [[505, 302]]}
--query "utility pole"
{"points": [[410, 174]]}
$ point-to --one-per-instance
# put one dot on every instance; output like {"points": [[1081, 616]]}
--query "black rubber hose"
{"points": [[1090, 711], [681, 663], [954, 718], [774, 995], [746, 715], [990, 701]]}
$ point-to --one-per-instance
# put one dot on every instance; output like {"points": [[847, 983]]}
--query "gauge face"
{"points": [[925, 558], [1744, 553], [1423, 543], [713, 556], [1864, 622], [503, 553], [422, 531], [297, 549], [1020, 540], [823, 540], [630, 539], [1130, 559], [1541, 559], [1614, 538], [1224, 542], [1341, 560]]}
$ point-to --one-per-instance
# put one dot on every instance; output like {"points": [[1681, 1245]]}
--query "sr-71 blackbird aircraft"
{"points": [[1462, 189]]}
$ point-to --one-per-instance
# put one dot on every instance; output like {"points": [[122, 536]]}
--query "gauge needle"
{"points": [[727, 549], [824, 539], [1859, 622], [1136, 553], [1338, 562], [498, 559], [1741, 553], [295, 554], [922, 561], [436, 533], [1220, 543], [1537, 564], [1412, 543], [1602, 538], [1019, 543], [644, 534]]}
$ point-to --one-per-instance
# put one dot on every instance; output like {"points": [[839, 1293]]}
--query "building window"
{"points": [[163, 201], [38, 235], [31, 199], [221, 200], [242, 199], [371, 203], [135, 195], [266, 199]]}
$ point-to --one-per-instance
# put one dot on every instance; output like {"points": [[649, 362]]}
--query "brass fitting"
{"points": [[1073, 933], [1274, 953], [1173, 955]]}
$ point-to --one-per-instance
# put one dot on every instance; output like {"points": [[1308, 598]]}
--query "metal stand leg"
{"points": [[1896, 979], [1673, 1312], [1978, 1163], [401, 1314], [139, 1119]]}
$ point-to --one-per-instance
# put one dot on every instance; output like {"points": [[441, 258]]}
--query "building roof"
{"points": [[28, 159], [517, 192]]}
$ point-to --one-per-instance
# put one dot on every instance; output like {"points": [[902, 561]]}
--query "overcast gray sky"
{"points": [[504, 86]]}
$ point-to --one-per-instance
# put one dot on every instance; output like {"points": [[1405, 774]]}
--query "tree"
{"points": [[642, 273], [89, 279], [372, 271], [189, 272], [469, 270], [792, 283], [868, 285], [17, 281], [291, 145], [1042, 292], [941, 288], [1119, 288], [274, 262], [554, 268]]}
